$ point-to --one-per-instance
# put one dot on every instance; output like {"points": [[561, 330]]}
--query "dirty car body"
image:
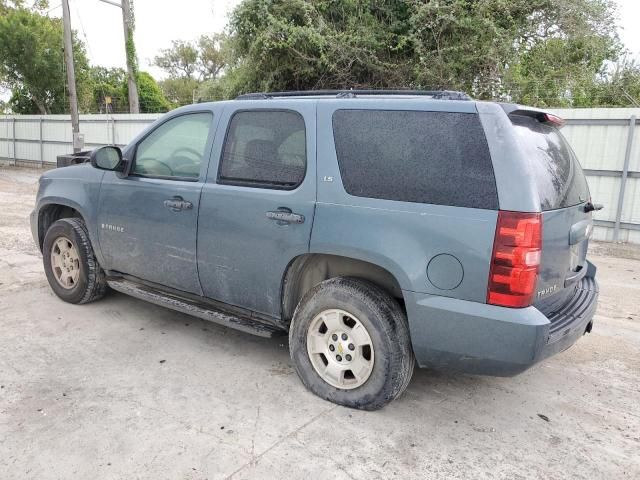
{"points": [[473, 217]]}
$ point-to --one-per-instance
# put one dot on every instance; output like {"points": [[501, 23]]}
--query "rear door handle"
{"points": [[284, 216], [177, 204]]}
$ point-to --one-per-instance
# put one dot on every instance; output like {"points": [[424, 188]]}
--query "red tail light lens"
{"points": [[554, 119], [515, 261]]}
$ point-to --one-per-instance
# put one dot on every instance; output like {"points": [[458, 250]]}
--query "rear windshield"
{"points": [[412, 156], [557, 172]]}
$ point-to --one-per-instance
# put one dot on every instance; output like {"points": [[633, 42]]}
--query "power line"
{"points": [[53, 8]]}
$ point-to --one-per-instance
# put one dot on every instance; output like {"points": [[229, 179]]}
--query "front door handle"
{"points": [[177, 204], [284, 216]]}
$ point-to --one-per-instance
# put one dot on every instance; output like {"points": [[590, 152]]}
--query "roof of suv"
{"points": [[332, 94]]}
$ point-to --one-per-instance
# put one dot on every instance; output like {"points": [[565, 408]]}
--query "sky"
{"points": [[158, 22]]}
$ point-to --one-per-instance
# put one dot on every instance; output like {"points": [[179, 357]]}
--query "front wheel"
{"points": [[70, 264], [349, 341]]}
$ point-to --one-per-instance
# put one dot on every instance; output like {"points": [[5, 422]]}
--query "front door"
{"points": [[257, 205], [147, 221]]}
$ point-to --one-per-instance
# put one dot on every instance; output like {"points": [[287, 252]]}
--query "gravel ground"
{"points": [[121, 389]]}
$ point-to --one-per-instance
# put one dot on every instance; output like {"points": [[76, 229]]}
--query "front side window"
{"points": [[174, 149], [264, 149]]}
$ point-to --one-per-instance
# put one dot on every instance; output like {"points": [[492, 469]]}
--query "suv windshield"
{"points": [[557, 173]]}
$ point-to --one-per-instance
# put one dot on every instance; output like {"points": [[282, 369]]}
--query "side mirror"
{"points": [[107, 158]]}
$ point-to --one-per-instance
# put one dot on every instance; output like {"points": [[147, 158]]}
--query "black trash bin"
{"points": [[72, 159]]}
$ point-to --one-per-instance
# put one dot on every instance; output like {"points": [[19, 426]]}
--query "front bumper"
{"points": [[472, 337]]}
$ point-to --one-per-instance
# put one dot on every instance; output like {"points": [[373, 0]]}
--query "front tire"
{"points": [[70, 264], [349, 341]]}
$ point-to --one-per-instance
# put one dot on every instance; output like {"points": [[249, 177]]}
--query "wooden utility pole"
{"points": [[127, 20], [71, 75], [129, 50]]}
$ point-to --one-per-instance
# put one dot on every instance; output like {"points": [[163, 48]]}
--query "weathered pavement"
{"points": [[121, 389]]}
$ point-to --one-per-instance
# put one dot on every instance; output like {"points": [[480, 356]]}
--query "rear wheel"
{"points": [[70, 264], [350, 344]]}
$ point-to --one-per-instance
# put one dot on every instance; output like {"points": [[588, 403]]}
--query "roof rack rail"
{"points": [[435, 94]]}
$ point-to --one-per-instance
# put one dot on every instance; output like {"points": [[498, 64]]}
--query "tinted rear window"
{"points": [[427, 157], [557, 172]]}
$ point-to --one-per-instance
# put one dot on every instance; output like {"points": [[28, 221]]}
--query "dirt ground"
{"points": [[121, 389]]}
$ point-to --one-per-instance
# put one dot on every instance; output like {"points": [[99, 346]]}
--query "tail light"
{"points": [[554, 120], [517, 249]]}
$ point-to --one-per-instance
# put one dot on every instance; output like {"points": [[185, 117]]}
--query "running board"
{"points": [[183, 305]]}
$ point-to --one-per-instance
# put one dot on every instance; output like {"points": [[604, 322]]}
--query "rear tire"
{"points": [[349, 341], [70, 264]]}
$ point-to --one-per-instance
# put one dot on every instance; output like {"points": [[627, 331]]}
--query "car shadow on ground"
{"points": [[201, 334]]}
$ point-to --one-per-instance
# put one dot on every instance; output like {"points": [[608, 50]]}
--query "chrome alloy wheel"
{"points": [[340, 349], [65, 262]]}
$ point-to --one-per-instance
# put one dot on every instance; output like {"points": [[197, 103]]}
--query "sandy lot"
{"points": [[121, 389]]}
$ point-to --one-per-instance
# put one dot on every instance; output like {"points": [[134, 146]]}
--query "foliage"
{"points": [[179, 61], [180, 91], [32, 63], [544, 52], [152, 99], [112, 82], [212, 56], [217, 89], [201, 60], [6, 5], [108, 82], [130, 46], [618, 88]]}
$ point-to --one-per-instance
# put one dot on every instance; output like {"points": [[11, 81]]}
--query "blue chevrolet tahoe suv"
{"points": [[377, 228]]}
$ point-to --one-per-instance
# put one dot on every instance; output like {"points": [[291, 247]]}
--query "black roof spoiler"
{"points": [[539, 114]]}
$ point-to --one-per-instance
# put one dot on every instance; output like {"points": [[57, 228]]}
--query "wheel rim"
{"points": [[65, 262], [340, 349]]}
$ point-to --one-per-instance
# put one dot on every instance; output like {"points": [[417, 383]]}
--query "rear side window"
{"points": [[264, 149], [427, 157], [557, 172]]}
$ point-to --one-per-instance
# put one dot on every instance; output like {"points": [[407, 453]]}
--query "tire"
{"points": [[89, 284], [352, 301]]}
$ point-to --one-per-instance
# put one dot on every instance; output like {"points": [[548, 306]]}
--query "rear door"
{"points": [[257, 205], [563, 193]]}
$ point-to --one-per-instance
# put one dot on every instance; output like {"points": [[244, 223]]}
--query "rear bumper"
{"points": [[485, 339]]}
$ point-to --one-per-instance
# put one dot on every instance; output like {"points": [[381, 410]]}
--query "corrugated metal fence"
{"points": [[38, 139], [606, 140]]}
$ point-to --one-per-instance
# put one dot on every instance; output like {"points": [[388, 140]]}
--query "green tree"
{"points": [[619, 87], [212, 56], [108, 84], [201, 60], [179, 61], [193, 68], [541, 51], [31, 60], [180, 91], [152, 99]]}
